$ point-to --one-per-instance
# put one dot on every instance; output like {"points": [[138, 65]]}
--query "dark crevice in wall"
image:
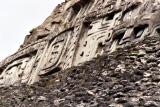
{"points": [[55, 70], [76, 8], [85, 2], [41, 36]]}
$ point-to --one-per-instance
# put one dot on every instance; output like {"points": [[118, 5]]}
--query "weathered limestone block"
{"points": [[78, 31]]}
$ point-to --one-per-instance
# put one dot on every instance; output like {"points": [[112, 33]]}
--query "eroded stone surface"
{"points": [[78, 31]]}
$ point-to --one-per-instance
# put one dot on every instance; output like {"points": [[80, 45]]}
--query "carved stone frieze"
{"points": [[78, 31]]}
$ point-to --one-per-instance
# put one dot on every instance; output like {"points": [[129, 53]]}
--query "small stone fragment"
{"points": [[42, 98], [120, 100], [151, 104]]}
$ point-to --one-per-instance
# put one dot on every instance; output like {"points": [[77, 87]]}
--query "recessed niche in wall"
{"points": [[74, 10], [42, 36], [84, 2]]}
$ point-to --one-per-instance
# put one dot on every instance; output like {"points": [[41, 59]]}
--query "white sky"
{"points": [[17, 18]]}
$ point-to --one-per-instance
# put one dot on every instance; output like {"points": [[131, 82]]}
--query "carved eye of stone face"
{"points": [[138, 31]]}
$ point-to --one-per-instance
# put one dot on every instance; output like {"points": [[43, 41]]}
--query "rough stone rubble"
{"points": [[78, 31]]}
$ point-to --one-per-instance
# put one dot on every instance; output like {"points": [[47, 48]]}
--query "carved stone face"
{"points": [[80, 31], [17, 72], [140, 22]]}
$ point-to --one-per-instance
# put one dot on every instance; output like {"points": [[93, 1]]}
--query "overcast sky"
{"points": [[17, 18]]}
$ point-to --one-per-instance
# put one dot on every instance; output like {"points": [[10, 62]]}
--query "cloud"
{"points": [[17, 18]]}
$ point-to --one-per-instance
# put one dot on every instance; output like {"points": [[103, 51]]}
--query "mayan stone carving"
{"points": [[78, 31]]}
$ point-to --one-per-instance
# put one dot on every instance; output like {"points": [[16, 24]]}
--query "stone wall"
{"points": [[78, 31]]}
